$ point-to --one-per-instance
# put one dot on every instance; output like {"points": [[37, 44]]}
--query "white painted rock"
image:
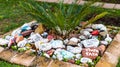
{"points": [[74, 49], [104, 42], [61, 53], [22, 43], [66, 41], [89, 29], [8, 37], [78, 56], [35, 37], [73, 41], [85, 60], [99, 26], [86, 33], [3, 41], [108, 38], [57, 44], [45, 46], [16, 32], [90, 42], [82, 37]]}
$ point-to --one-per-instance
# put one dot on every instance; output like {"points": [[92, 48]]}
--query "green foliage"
{"points": [[62, 18]]}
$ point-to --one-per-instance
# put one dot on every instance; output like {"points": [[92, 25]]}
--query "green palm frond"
{"points": [[60, 17]]}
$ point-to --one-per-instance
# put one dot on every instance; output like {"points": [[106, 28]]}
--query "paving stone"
{"points": [[57, 63], [117, 6], [1, 49], [23, 59], [7, 54], [108, 5], [42, 61]]}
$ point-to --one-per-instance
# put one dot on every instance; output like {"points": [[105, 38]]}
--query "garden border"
{"points": [[109, 59]]}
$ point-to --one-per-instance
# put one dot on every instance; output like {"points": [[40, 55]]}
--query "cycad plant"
{"points": [[62, 18]]}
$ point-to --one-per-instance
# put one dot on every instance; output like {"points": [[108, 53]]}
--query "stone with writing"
{"points": [[90, 53]]}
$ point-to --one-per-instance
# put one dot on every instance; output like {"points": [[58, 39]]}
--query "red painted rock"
{"points": [[95, 32], [26, 33], [101, 48], [90, 53], [50, 52], [71, 61], [19, 38], [50, 37]]}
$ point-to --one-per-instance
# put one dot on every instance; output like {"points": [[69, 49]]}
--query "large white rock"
{"points": [[108, 38], [3, 41], [22, 43], [74, 49], [45, 46], [85, 60], [35, 37], [90, 42], [61, 54], [99, 26], [57, 44]]}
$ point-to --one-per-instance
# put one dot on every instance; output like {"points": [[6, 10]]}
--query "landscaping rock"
{"points": [[90, 42], [74, 49], [85, 60], [90, 53], [39, 29]]}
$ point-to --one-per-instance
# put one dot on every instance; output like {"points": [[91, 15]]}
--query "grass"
{"points": [[7, 64], [12, 16]]}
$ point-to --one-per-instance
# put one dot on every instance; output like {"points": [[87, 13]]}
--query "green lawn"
{"points": [[12, 16]]}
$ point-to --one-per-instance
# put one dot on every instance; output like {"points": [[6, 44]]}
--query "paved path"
{"points": [[81, 2]]}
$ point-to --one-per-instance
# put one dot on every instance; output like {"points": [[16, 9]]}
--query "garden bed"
{"points": [[32, 58], [14, 56]]}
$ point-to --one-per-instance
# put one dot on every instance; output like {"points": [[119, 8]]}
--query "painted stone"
{"points": [[90, 53], [50, 52], [3, 41], [90, 42], [95, 32], [99, 27], [25, 27], [50, 37], [39, 29], [16, 32], [22, 43], [78, 56], [102, 48], [57, 44], [26, 33], [82, 37], [45, 46], [35, 37], [73, 41], [104, 42], [63, 54], [103, 33], [108, 38], [74, 49], [85, 60], [89, 29], [86, 33], [19, 38]]}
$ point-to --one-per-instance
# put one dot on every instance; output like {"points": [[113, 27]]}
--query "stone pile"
{"points": [[84, 47]]}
